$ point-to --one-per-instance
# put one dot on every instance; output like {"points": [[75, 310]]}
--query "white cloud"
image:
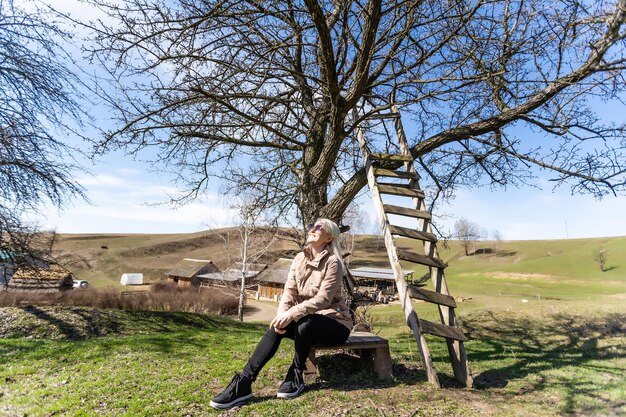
{"points": [[129, 204]]}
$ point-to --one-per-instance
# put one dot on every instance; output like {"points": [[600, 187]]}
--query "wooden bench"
{"points": [[368, 346]]}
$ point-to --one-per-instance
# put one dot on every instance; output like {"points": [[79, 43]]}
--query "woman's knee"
{"points": [[304, 325]]}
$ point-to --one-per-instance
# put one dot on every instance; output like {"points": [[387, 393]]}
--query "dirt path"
{"points": [[256, 310]]}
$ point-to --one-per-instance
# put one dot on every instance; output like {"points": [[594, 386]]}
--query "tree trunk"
{"points": [[244, 272]]}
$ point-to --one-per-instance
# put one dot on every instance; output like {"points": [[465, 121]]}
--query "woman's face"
{"points": [[318, 236]]}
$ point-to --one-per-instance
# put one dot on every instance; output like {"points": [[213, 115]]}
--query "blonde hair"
{"points": [[332, 229]]}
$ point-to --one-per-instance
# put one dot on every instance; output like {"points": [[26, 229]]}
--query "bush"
{"points": [[161, 297]]}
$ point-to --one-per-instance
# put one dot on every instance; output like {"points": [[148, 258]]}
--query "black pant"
{"points": [[311, 330]]}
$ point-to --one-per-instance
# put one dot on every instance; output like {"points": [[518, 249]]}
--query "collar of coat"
{"points": [[315, 262]]}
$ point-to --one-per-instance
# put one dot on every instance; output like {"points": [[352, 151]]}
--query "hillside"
{"points": [[556, 269], [103, 258]]}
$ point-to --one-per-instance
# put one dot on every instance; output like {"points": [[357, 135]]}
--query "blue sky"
{"points": [[124, 192]]}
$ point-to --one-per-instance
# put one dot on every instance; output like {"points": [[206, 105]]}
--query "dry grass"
{"points": [[161, 297]]}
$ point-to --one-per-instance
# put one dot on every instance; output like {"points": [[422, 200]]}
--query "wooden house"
{"points": [[186, 272], [271, 281], [232, 276], [41, 280]]}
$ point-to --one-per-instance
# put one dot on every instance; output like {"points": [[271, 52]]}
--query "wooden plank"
{"points": [[399, 189], [391, 157], [406, 211], [412, 233], [441, 330], [359, 340], [431, 296], [369, 346], [382, 172], [421, 259]]}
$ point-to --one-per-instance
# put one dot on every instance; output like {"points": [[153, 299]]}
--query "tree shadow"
{"points": [[521, 347], [81, 323], [493, 251]]}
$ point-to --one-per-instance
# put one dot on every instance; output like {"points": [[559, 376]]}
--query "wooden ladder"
{"points": [[415, 208]]}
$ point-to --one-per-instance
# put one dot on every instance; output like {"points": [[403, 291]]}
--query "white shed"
{"points": [[131, 279]]}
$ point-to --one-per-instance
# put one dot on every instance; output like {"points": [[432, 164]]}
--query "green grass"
{"points": [[562, 351], [539, 362]]}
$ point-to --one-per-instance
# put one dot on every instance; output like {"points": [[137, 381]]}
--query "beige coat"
{"points": [[314, 287]]}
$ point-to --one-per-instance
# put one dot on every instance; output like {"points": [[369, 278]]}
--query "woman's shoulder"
{"points": [[333, 259]]}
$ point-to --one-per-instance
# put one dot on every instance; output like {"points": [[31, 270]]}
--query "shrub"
{"points": [[161, 297]]}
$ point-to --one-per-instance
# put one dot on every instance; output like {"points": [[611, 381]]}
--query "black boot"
{"points": [[238, 391], [293, 384]]}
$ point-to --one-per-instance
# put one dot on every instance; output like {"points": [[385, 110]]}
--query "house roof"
{"points": [[230, 275], [54, 273], [50, 279], [187, 268], [276, 272], [253, 268], [385, 274]]}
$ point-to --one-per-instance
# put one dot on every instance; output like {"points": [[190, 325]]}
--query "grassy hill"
{"points": [[103, 258], [563, 269]]}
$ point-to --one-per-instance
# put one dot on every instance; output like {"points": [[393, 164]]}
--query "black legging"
{"points": [[311, 330]]}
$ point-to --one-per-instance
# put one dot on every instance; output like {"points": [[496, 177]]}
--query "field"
{"points": [[546, 330]]}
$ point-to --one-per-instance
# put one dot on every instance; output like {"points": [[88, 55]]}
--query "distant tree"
{"points": [[359, 222], [37, 98], [601, 258], [468, 234], [493, 89], [497, 239]]}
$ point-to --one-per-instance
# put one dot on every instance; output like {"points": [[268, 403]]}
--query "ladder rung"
{"points": [[431, 296], [382, 172], [405, 211], [421, 259], [399, 189], [390, 157], [412, 233], [437, 329]]}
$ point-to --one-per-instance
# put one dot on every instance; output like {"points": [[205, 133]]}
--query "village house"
{"points": [[187, 272], [271, 281], [41, 280], [232, 276]]}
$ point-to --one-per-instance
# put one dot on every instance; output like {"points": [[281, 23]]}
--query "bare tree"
{"points": [[251, 240], [497, 239], [468, 233], [359, 222], [496, 91], [37, 99], [601, 258]]}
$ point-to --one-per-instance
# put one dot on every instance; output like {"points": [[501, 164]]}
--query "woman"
{"points": [[312, 312]]}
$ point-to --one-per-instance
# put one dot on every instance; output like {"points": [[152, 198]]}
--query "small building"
{"points": [[41, 280], [376, 279], [131, 279], [227, 278], [271, 281], [232, 276], [187, 271], [254, 269]]}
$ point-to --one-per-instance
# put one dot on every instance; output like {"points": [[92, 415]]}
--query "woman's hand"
{"points": [[280, 322]]}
